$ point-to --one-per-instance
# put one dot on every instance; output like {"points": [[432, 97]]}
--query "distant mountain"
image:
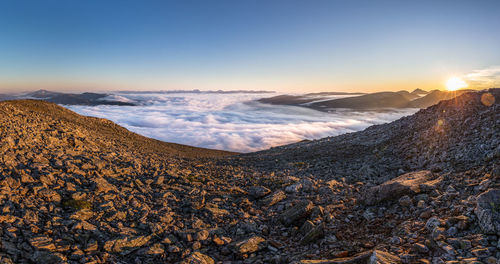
{"points": [[69, 98], [419, 92], [373, 101], [369, 101], [434, 97]]}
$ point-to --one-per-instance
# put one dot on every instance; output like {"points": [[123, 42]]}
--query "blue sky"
{"points": [[272, 45]]}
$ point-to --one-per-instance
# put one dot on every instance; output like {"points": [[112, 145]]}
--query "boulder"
{"points": [[488, 211], [406, 184]]}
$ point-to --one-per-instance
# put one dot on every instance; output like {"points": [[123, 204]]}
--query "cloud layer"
{"points": [[232, 122]]}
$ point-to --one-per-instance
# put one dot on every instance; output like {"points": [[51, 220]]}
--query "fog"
{"points": [[234, 121]]}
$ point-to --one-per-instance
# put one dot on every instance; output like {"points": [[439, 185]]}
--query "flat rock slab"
{"points": [[409, 183], [488, 211], [368, 257]]}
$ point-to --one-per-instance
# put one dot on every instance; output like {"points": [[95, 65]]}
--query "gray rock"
{"points": [[405, 184], [488, 211], [313, 235], [300, 211], [258, 191]]}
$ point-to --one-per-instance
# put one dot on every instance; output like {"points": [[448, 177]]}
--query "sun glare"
{"points": [[455, 83]]}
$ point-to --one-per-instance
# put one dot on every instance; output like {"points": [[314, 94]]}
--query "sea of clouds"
{"points": [[229, 121]]}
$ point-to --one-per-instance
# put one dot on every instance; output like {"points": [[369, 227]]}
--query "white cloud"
{"points": [[484, 78], [230, 121]]}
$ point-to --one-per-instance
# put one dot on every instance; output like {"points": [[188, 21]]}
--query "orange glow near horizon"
{"points": [[455, 83]]}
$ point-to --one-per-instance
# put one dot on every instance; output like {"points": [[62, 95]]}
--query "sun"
{"points": [[455, 83]]}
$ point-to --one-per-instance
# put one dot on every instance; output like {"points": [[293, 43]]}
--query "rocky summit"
{"points": [[422, 189]]}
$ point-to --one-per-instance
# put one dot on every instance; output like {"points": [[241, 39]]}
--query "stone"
{"points": [[420, 248], [117, 245], [249, 245], [405, 201], [293, 188], [258, 191], [42, 242], [273, 198], [312, 236], [488, 211], [405, 184], [50, 195], [306, 227], [102, 185], [432, 223], [198, 258], [300, 211], [46, 257]]}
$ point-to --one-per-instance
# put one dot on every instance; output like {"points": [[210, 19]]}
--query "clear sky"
{"points": [[308, 45]]}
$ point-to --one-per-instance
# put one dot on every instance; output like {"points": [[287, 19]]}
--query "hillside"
{"points": [[366, 102], [422, 189]]}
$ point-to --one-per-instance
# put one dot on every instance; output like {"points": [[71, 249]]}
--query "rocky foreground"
{"points": [[423, 189]]}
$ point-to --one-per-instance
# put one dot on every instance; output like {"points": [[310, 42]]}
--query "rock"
{"points": [[420, 248], [306, 227], [488, 211], [273, 198], [155, 249], [117, 245], [432, 223], [198, 258], [42, 243], [46, 257], [102, 185], [249, 245], [258, 191], [293, 188], [50, 195], [405, 184], [312, 236], [368, 257], [405, 201], [481, 252], [300, 211]]}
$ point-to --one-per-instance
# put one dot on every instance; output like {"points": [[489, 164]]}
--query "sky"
{"points": [[284, 46]]}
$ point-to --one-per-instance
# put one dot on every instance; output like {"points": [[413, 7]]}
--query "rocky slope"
{"points": [[423, 189]]}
